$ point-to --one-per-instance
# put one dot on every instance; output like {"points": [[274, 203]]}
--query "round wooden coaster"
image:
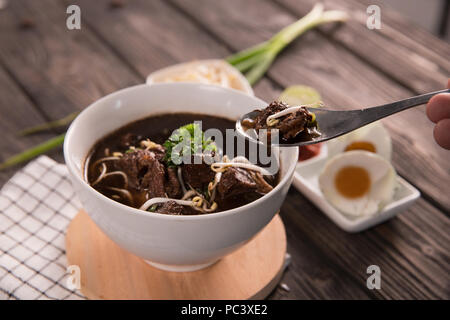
{"points": [[110, 272]]}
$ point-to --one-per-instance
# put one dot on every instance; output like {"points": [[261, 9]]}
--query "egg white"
{"points": [[375, 133], [382, 183]]}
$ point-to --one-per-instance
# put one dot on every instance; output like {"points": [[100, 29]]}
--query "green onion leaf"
{"points": [[33, 152], [50, 125], [255, 61], [188, 139]]}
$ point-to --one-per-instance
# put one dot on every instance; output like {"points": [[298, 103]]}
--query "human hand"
{"points": [[438, 111]]}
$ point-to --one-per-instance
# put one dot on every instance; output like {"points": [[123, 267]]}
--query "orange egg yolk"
{"points": [[361, 145], [352, 182]]}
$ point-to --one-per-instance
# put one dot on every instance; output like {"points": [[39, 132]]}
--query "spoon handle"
{"points": [[372, 114]]}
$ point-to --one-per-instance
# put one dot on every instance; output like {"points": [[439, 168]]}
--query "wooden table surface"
{"points": [[48, 71]]}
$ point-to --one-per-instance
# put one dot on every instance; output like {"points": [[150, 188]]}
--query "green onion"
{"points": [[50, 125], [255, 61], [191, 139], [33, 152]]}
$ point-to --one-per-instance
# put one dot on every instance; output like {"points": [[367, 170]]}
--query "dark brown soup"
{"points": [[135, 165]]}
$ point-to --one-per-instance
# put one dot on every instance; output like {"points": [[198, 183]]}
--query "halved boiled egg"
{"points": [[373, 138], [358, 183]]}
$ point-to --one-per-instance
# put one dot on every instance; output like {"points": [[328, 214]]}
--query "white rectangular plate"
{"points": [[306, 181]]}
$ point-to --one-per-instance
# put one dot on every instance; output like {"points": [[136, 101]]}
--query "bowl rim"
{"points": [[131, 210]]}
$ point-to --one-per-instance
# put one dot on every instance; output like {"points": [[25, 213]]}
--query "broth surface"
{"points": [[156, 128]]}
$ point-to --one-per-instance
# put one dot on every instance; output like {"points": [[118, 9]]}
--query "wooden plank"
{"points": [[16, 112], [304, 63], [141, 33], [412, 34], [411, 250], [408, 54], [342, 78], [131, 25], [63, 70], [311, 273], [291, 211]]}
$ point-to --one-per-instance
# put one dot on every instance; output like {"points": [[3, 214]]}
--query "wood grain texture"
{"points": [[411, 56], [58, 71], [148, 44], [109, 272], [16, 113], [62, 70], [343, 79], [145, 61], [413, 261], [363, 85]]}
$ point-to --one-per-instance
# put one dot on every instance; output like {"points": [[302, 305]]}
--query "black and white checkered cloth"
{"points": [[36, 206]]}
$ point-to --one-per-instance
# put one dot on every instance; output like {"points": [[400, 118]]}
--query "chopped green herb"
{"points": [[186, 141]]}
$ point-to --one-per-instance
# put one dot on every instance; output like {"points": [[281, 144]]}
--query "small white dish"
{"points": [[195, 71], [306, 181]]}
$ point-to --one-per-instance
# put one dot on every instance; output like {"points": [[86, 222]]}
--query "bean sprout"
{"points": [[272, 119], [147, 204], [104, 159], [266, 187], [180, 180], [101, 175], [123, 192], [197, 201], [189, 194], [210, 209], [148, 144], [121, 173], [222, 166]]}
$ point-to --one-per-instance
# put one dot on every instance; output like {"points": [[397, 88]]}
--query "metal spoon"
{"points": [[334, 123]]}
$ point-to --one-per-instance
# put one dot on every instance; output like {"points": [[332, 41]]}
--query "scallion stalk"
{"points": [[50, 125], [33, 152], [255, 61]]}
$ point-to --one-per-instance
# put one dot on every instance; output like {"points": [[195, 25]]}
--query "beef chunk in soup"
{"points": [[235, 181], [173, 188], [157, 149], [136, 150], [144, 171], [170, 207], [197, 175]]}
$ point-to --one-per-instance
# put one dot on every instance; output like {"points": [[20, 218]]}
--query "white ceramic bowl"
{"points": [[177, 243]]}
